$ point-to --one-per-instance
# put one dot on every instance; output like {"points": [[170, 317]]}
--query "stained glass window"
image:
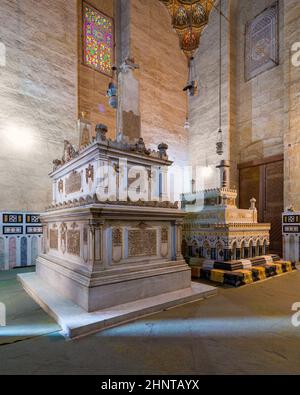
{"points": [[98, 34]]}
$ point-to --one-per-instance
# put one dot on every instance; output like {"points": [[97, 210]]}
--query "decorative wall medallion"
{"points": [[142, 242], [60, 186], [53, 239], [117, 237], [262, 43], [73, 242], [89, 173], [73, 183], [63, 237]]}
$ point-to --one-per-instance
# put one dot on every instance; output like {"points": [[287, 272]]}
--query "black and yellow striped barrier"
{"points": [[238, 278]]}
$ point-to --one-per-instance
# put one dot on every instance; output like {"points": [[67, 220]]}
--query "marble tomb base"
{"points": [[76, 322]]}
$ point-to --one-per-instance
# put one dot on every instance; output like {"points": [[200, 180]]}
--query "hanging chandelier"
{"points": [[189, 18]]}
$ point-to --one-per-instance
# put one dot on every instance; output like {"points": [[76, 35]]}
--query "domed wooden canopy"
{"points": [[189, 18]]}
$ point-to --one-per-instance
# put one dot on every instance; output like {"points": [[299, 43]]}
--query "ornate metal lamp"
{"points": [[189, 18]]}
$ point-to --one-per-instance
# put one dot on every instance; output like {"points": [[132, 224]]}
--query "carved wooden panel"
{"points": [[74, 242], [274, 203], [142, 242]]}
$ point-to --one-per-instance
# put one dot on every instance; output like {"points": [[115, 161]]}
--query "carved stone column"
{"points": [[45, 240], [95, 243], [178, 239], [163, 184]]}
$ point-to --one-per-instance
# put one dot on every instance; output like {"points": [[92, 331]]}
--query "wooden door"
{"points": [[264, 181]]}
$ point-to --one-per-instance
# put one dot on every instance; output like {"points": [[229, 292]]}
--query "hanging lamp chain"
{"points": [[220, 148]]}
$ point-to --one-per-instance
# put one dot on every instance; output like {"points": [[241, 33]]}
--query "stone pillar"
{"points": [[224, 168], [163, 184], [128, 116], [178, 240], [54, 186], [95, 243]]}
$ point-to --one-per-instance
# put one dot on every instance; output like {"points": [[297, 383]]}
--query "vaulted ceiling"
{"points": [[189, 18]]}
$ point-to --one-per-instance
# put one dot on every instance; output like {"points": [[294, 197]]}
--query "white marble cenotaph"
{"points": [[111, 239]]}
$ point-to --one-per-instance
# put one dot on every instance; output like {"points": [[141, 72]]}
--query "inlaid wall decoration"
{"points": [[12, 218], [98, 40], [22, 235], [33, 219], [142, 242], [12, 230], [34, 230], [262, 42]]}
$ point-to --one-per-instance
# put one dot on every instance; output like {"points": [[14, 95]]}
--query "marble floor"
{"points": [[240, 331]]}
